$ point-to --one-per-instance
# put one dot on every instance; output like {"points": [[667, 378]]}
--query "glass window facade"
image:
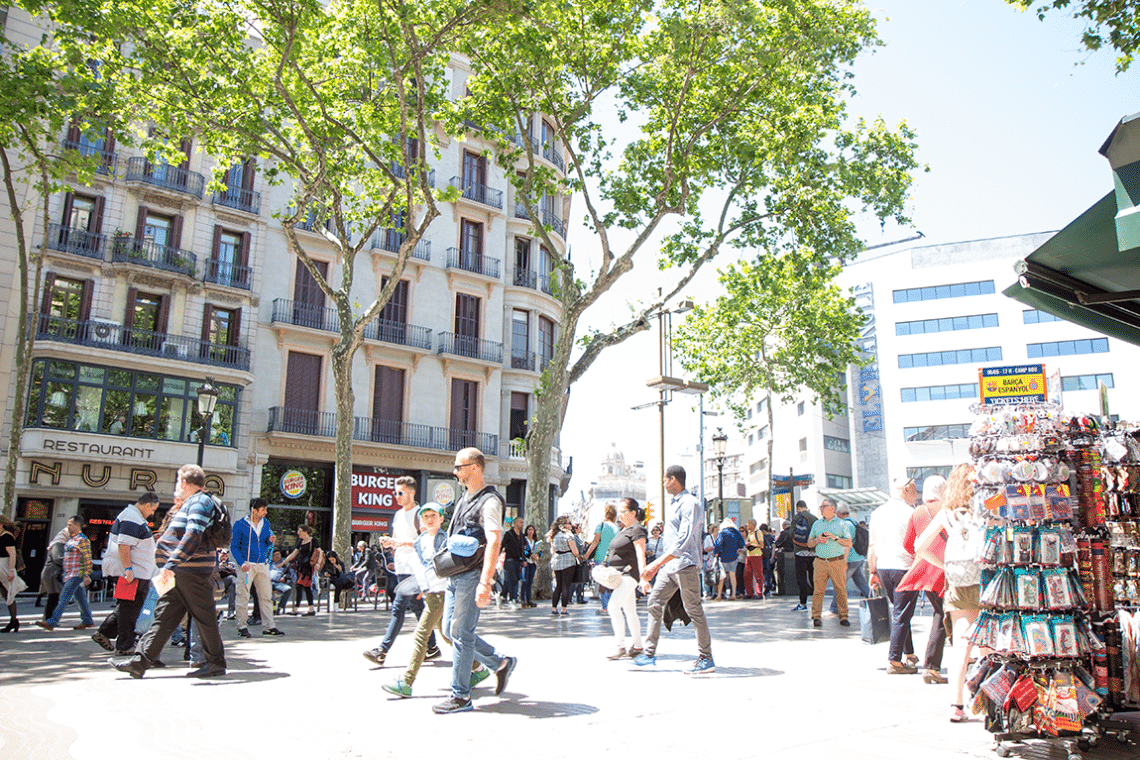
{"points": [[936, 432], [940, 358], [1086, 382], [946, 324], [838, 481], [93, 399], [940, 392], [1036, 316], [936, 292], [1067, 347], [837, 444]]}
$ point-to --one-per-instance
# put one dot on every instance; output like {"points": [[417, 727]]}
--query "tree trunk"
{"points": [[342, 355]]}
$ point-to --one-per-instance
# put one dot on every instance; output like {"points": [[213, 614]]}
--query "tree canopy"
{"points": [[1111, 23]]}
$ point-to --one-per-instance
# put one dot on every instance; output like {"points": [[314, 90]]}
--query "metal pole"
{"points": [[720, 485], [202, 433], [701, 450], [661, 401]]}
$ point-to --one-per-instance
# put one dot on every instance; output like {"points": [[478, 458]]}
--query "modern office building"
{"points": [[151, 284], [936, 316]]}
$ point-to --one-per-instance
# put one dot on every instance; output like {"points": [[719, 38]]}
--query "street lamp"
{"points": [[207, 397], [720, 440]]}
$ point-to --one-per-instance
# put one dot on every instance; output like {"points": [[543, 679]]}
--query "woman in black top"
{"points": [[627, 554], [10, 583], [302, 554]]}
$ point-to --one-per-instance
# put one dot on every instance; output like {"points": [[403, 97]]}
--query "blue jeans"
{"points": [[460, 617], [399, 610], [903, 603], [73, 587], [529, 571], [511, 568], [855, 575]]}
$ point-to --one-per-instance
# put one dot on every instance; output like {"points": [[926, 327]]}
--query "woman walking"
{"points": [[11, 583], [563, 561], [302, 555], [627, 555]]}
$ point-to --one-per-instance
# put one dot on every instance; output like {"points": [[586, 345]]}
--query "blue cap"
{"points": [[462, 546]]}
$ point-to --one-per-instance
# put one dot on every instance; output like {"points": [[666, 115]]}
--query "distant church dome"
{"points": [[614, 455]]}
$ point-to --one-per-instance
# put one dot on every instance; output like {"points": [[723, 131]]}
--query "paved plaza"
{"points": [[782, 689]]}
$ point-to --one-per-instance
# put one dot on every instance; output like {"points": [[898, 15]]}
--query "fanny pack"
{"points": [[460, 554]]}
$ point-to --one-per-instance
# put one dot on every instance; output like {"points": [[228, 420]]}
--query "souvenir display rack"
{"points": [[1061, 553]]}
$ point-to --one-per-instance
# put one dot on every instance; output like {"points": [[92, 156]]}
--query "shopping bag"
{"points": [[874, 619]]}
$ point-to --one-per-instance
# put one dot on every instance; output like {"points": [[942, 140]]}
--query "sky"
{"points": [[1009, 113]]}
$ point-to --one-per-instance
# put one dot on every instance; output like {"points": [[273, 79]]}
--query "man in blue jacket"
{"points": [[728, 544], [252, 550]]}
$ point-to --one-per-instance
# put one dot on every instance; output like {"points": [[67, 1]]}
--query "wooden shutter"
{"points": [[388, 395], [73, 133], [186, 147], [68, 205], [140, 224], [303, 381], [176, 232], [49, 286], [85, 300], [243, 254], [129, 317], [466, 315], [249, 171], [216, 246], [97, 222], [235, 327], [207, 318], [163, 313]]}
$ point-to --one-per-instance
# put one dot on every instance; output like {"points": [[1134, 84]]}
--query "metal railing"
{"points": [[243, 200], [473, 348], [87, 149], [374, 430], [401, 173], [79, 242], [389, 331], [97, 333], [390, 239], [166, 176], [226, 273], [549, 219], [524, 278], [544, 362], [522, 360], [472, 262], [305, 315], [553, 156], [147, 253], [484, 194]]}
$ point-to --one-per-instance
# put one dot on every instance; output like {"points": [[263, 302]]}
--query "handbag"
{"points": [[459, 556], [607, 576]]}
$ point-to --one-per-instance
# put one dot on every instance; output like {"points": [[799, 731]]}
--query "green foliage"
{"points": [[781, 325], [1111, 23]]}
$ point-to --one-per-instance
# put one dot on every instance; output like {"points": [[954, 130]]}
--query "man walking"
{"points": [[805, 556], [251, 548], [830, 537], [479, 513], [855, 560], [76, 577], [188, 559], [678, 568], [889, 560], [130, 555], [754, 584], [405, 530], [513, 545]]}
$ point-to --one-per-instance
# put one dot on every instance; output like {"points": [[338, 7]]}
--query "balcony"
{"points": [[226, 273], [472, 348], [400, 333], [389, 239], [554, 157], [524, 278], [305, 315], [165, 176], [374, 430], [98, 333], [78, 242], [522, 360], [87, 149], [147, 253], [549, 219], [544, 284], [488, 196], [399, 171], [472, 262], [242, 200]]}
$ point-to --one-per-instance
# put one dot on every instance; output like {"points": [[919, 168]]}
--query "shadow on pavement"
{"points": [[534, 709]]}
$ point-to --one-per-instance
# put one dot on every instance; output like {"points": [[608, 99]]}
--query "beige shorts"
{"points": [[963, 598]]}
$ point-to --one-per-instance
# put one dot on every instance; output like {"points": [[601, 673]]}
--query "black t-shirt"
{"points": [[6, 540], [623, 553]]}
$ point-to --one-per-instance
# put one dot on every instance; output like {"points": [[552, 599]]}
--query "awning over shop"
{"points": [[858, 499]]}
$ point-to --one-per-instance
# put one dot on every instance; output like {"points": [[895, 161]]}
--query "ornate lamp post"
{"points": [[720, 441], [207, 398]]}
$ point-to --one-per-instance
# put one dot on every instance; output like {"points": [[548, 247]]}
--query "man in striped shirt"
{"points": [[190, 561]]}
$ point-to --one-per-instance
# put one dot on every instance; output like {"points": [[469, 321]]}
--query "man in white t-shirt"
{"points": [[405, 530], [888, 561]]}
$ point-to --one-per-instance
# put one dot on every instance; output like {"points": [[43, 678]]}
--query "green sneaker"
{"points": [[479, 676], [399, 688]]}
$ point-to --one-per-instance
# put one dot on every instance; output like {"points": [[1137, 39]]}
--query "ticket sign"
{"points": [[1025, 384]]}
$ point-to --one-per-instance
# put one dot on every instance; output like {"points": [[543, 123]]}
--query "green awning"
{"points": [[1081, 276]]}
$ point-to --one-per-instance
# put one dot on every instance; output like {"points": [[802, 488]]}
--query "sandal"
{"points": [[933, 676], [958, 715]]}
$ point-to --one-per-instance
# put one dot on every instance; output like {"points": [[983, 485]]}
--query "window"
{"points": [[545, 341], [748, 415], [838, 481], [523, 276], [545, 270], [1086, 382], [837, 444], [922, 473], [66, 306], [751, 436], [520, 418], [467, 333], [800, 409], [464, 397], [762, 433], [144, 325], [760, 405], [935, 292], [302, 395], [471, 246], [156, 235], [1036, 316], [1067, 347], [81, 226], [940, 392], [124, 402], [940, 358], [520, 340], [388, 405], [221, 331], [474, 169], [946, 324], [308, 298], [229, 258], [936, 432], [803, 444]]}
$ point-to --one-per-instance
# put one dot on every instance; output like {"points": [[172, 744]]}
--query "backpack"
{"points": [[801, 531], [862, 541], [219, 531]]}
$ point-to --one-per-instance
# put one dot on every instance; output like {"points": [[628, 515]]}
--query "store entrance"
{"points": [[34, 516]]}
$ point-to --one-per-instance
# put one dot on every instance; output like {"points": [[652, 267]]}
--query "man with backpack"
{"points": [[805, 556], [187, 554], [857, 556]]}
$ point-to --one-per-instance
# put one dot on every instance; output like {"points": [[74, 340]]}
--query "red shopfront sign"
{"points": [[373, 502]]}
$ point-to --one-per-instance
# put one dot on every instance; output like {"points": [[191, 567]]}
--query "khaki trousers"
{"points": [[835, 571]]}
